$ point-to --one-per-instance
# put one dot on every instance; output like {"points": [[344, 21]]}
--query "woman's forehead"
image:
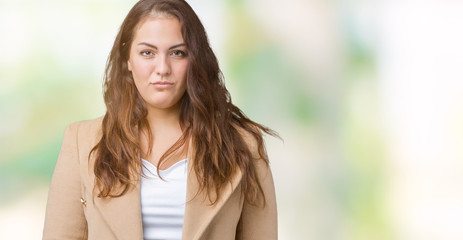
{"points": [[159, 30]]}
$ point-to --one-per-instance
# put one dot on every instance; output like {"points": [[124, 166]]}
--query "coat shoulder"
{"points": [[247, 135], [86, 134], [87, 129], [253, 142], [87, 125]]}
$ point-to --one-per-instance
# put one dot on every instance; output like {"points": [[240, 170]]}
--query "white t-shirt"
{"points": [[163, 201]]}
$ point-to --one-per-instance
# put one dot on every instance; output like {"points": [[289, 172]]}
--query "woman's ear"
{"points": [[129, 65]]}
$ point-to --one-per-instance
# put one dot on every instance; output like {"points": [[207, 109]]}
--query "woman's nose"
{"points": [[163, 66]]}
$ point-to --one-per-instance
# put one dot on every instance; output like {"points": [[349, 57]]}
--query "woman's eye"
{"points": [[179, 53], [146, 53]]}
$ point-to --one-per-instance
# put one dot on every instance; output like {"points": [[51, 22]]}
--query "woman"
{"points": [[172, 158]]}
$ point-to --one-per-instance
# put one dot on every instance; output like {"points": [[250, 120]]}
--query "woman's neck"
{"points": [[162, 119], [165, 130]]}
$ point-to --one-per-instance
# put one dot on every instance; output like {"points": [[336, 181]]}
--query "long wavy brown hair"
{"points": [[208, 118]]}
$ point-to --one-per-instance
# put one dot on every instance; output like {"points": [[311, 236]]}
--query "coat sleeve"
{"points": [[64, 218], [260, 222]]}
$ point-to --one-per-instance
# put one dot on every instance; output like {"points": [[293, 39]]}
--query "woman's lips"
{"points": [[162, 84]]}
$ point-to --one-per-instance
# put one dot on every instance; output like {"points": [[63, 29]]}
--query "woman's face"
{"points": [[158, 61]]}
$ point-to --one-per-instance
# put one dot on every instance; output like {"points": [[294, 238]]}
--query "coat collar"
{"points": [[123, 214]]}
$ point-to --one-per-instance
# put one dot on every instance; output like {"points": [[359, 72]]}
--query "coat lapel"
{"points": [[123, 214], [199, 212]]}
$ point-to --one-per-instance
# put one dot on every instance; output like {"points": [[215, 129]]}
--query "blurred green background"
{"points": [[367, 96]]}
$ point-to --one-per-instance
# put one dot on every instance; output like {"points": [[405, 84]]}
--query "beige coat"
{"points": [[74, 212]]}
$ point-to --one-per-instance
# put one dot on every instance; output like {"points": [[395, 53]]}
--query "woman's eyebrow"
{"points": [[153, 46], [177, 45]]}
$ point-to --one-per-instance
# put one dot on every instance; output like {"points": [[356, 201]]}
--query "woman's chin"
{"points": [[162, 105]]}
